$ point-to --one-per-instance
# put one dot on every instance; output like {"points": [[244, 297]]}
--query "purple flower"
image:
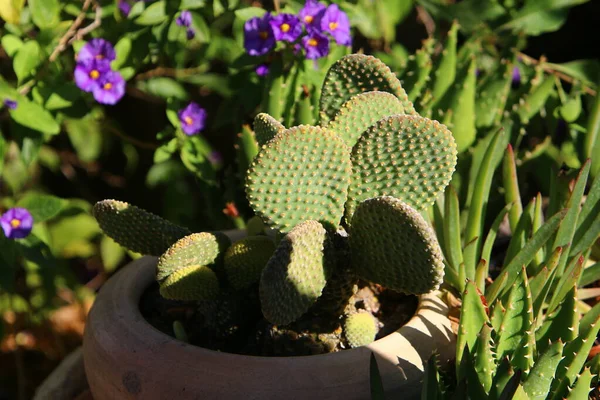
{"points": [[516, 77], [110, 88], [10, 104], [311, 15], [16, 223], [192, 118], [262, 70], [336, 22], [184, 19], [316, 45], [286, 27], [88, 74], [125, 7], [258, 35], [97, 49], [190, 33]]}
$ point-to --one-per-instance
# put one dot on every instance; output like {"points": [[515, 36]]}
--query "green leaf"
{"points": [[45, 13], [561, 324], [588, 221], [473, 316], [10, 10], [582, 387], [112, 254], [42, 206], [586, 71], [154, 14], [86, 136], [511, 187], [537, 384], [34, 116], [249, 12], [540, 16], [11, 44], [122, 50], [536, 99], [485, 357], [27, 59], [164, 87], [452, 245], [590, 275]]}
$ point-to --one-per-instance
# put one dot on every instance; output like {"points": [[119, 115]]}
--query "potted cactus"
{"points": [[343, 201]]}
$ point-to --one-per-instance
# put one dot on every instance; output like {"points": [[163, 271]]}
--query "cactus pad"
{"points": [[196, 249], [136, 229], [354, 74], [295, 276], [266, 128], [245, 260], [300, 175], [360, 329], [406, 156], [393, 246], [362, 111], [194, 282]]}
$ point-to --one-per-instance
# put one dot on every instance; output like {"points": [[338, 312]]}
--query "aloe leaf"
{"points": [[538, 302], [445, 69], [591, 144], [493, 232], [511, 187], [431, 382], [590, 275], [561, 324], [582, 387], [485, 357], [452, 244], [567, 281], [492, 97], [473, 316], [505, 377], [538, 382], [497, 315], [535, 100], [521, 232], [481, 274], [588, 222]]}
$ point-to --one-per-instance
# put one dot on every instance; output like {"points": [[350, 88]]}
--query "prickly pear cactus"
{"points": [[245, 260], [360, 329], [194, 282]]}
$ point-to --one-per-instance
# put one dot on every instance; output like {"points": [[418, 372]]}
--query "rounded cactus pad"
{"points": [[392, 245], [362, 111], [354, 74], [406, 156], [266, 128], [203, 248], [136, 229], [303, 174], [360, 329], [194, 282], [296, 274], [245, 260]]}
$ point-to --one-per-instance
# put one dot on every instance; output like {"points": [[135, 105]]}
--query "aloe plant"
{"points": [[345, 198]]}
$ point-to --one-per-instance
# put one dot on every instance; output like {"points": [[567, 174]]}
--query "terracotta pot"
{"points": [[126, 358]]}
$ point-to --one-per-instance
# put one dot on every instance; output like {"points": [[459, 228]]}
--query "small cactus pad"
{"points": [[136, 229], [245, 260], [194, 282], [196, 249], [300, 175], [362, 111], [393, 246], [295, 276], [354, 74], [360, 329], [406, 156], [266, 128]]}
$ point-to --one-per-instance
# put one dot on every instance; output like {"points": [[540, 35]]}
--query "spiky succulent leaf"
{"points": [[485, 357], [136, 229], [537, 384], [502, 379], [245, 260], [362, 111], [497, 315], [405, 156], [194, 282], [562, 323], [492, 96], [203, 248], [567, 282], [473, 317], [354, 74], [582, 387], [296, 274], [266, 128], [303, 174], [360, 329], [393, 245], [432, 383]]}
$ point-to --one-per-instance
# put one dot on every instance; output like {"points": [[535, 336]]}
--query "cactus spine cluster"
{"points": [[347, 194]]}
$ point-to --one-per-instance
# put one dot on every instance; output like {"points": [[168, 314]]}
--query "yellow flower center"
{"points": [[107, 86], [188, 120], [99, 56], [333, 26], [94, 74], [15, 223], [285, 28], [263, 35], [313, 42], [309, 19]]}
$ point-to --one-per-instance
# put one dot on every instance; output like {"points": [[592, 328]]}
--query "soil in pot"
{"points": [[236, 325]]}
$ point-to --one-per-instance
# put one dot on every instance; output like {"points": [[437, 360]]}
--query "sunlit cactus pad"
{"points": [[303, 174], [393, 245], [362, 111], [266, 128], [136, 229], [354, 74], [360, 329], [408, 157], [196, 249], [245, 260], [194, 282], [295, 276]]}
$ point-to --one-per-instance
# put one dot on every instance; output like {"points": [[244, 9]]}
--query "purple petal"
{"points": [[316, 45], [192, 118], [10, 104], [87, 75], [184, 19], [259, 38], [286, 27], [336, 22], [110, 89], [16, 223], [97, 49]]}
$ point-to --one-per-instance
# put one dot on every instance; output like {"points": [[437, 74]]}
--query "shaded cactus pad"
{"points": [[295, 276], [354, 74], [362, 111], [194, 282], [245, 260], [136, 229], [393, 245], [360, 329], [196, 249], [266, 128], [303, 174], [408, 157]]}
